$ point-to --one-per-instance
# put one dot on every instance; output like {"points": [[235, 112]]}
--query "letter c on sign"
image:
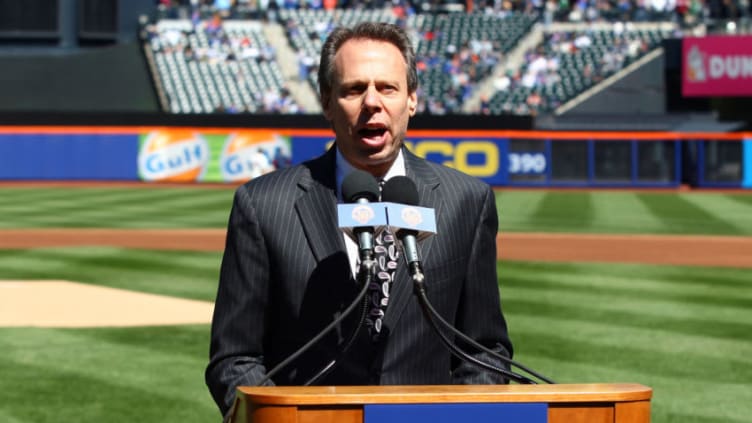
{"points": [[423, 149], [487, 149]]}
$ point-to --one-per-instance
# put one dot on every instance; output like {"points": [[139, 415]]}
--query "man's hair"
{"points": [[386, 32]]}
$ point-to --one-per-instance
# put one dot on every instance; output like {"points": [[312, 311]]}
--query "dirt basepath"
{"points": [[684, 250], [677, 250]]}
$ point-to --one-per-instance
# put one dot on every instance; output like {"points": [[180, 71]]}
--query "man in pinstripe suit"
{"points": [[287, 270]]}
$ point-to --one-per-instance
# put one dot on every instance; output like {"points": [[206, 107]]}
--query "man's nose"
{"points": [[372, 99]]}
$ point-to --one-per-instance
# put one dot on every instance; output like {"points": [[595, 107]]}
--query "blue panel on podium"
{"points": [[456, 413]]}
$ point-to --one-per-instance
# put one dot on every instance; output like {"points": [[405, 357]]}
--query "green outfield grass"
{"points": [[625, 212], [684, 331], [527, 211]]}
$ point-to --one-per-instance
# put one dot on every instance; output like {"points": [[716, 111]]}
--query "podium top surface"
{"points": [[323, 395]]}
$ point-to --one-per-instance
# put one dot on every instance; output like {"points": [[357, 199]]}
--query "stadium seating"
{"points": [[567, 63], [228, 66]]}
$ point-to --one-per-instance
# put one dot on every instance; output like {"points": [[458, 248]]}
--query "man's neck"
{"points": [[343, 168]]}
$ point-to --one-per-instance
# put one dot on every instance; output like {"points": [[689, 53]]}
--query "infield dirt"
{"points": [[683, 250]]}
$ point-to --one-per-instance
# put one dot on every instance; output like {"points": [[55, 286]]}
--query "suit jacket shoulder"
{"points": [[286, 184]]}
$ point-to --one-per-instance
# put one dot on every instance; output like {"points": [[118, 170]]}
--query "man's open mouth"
{"points": [[372, 132]]}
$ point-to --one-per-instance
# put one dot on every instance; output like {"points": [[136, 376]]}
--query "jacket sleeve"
{"points": [[479, 314], [239, 322]]}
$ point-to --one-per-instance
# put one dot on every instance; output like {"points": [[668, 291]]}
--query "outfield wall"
{"points": [[501, 158]]}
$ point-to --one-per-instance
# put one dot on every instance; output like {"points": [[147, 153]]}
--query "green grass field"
{"points": [[685, 331]]}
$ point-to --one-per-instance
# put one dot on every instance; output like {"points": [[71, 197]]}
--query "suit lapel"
{"points": [[317, 207], [427, 183]]}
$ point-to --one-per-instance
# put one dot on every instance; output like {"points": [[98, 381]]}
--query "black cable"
{"points": [[369, 273], [475, 344], [316, 338], [457, 352]]}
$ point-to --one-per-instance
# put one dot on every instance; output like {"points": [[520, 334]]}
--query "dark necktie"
{"points": [[386, 254]]}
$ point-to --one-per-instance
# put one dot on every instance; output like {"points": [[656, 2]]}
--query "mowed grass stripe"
{"points": [[686, 388], [724, 208], [121, 207], [621, 212], [515, 209], [684, 325], [681, 216], [744, 199], [686, 284], [647, 286], [609, 343], [534, 211], [85, 377], [627, 302], [672, 278], [572, 212], [611, 309], [191, 275]]}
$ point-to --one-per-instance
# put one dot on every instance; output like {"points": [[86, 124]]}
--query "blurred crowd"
{"points": [[685, 12], [460, 66]]}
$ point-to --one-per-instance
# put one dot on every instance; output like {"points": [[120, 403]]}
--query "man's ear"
{"points": [[412, 103]]}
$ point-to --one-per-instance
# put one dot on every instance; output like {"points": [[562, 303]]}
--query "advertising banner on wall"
{"points": [[234, 156], [185, 155], [717, 66]]}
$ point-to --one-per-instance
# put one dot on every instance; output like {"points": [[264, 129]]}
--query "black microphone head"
{"points": [[400, 189], [360, 185]]}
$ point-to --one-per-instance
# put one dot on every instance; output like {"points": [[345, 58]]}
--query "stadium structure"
{"points": [[549, 67]]}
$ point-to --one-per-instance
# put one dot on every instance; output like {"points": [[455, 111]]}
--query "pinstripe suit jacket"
{"points": [[285, 276]]}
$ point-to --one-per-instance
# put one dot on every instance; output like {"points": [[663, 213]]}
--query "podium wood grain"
{"points": [[570, 403]]}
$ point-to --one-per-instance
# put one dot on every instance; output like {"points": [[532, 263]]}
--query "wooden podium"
{"points": [[561, 403]]}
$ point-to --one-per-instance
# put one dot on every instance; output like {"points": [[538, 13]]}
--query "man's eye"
{"points": [[354, 90], [389, 89]]}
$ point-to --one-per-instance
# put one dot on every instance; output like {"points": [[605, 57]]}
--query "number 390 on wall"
{"points": [[526, 163]]}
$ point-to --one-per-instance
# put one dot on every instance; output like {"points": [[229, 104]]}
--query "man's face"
{"points": [[369, 105]]}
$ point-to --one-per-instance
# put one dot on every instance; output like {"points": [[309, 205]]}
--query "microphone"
{"points": [[402, 190], [361, 188]]}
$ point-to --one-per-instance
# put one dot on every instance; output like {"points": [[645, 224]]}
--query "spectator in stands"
{"points": [[288, 271]]}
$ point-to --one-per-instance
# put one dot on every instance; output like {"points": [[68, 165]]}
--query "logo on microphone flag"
{"points": [[362, 214], [412, 216], [420, 219], [353, 215]]}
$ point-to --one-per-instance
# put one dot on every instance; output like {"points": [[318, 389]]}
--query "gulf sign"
{"points": [[717, 66], [173, 156], [185, 155]]}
